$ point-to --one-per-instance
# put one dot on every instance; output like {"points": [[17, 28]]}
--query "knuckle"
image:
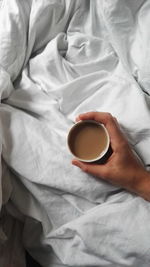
{"points": [[109, 117], [96, 114], [115, 119], [85, 168]]}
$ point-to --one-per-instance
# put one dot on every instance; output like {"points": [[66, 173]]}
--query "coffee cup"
{"points": [[88, 141]]}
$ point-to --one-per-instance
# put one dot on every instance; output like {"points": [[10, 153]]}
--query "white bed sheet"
{"points": [[59, 59]]}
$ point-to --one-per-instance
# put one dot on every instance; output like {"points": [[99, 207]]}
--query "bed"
{"points": [[59, 58]]}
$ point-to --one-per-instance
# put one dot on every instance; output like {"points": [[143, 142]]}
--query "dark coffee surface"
{"points": [[87, 141]]}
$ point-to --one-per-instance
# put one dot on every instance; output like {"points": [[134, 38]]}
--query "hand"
{"points": [[122, 168]]}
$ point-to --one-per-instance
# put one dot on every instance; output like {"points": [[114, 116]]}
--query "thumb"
{"points": [[94, 169]]}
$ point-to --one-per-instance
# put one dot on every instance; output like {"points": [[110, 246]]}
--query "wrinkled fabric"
{"points": [[57, 60]]}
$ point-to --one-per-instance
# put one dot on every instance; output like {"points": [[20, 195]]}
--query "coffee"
{"points": [[88, 140]]}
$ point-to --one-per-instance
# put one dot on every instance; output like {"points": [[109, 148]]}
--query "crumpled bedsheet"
{"points": [[59, 58]]}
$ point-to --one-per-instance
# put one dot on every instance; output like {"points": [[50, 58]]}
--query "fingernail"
{"points": [[77, 118], [77, 164]]}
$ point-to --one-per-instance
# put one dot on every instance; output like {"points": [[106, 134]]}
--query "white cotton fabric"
{"points": [[58, 59]]}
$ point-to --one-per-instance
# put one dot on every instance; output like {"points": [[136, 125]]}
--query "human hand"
{"points": [[122, 168]]}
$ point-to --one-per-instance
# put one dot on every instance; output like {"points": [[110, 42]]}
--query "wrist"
{"points": [[142, 184]]}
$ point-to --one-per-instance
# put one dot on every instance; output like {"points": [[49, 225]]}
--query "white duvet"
{"points": [[58, 59]]}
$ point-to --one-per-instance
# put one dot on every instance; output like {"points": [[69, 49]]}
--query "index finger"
{"points": [[116, 136]]}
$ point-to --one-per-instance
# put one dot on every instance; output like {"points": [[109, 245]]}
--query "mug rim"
{"points": [[102, 153]]}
